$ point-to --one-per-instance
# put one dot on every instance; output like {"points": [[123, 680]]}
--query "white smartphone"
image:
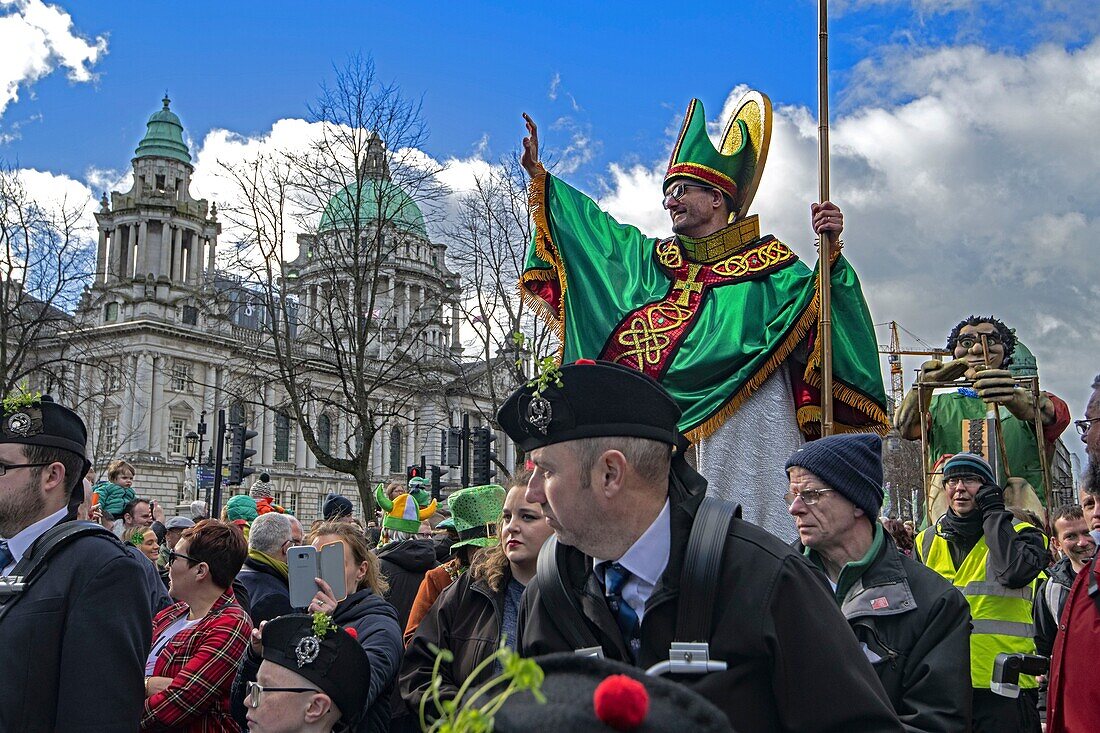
{"points": [[305, 562]]}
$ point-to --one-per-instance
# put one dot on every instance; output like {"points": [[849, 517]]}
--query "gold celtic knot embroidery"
{"points": [[669, 255], [755, 260], [646, 339]]}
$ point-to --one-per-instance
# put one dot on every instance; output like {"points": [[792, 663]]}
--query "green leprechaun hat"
{"points": [[735, 166], [476, 513]]}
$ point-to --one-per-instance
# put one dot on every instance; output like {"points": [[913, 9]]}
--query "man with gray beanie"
{"points": [[994, 559], [912, 625]]}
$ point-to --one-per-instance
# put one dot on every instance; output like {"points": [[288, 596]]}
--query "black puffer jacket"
{"points": [[375, 623], [916, 630], [268, 592], [404, 564]]}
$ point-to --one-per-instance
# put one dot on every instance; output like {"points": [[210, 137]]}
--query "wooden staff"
{"points": [[825, 320], [997, 415]]}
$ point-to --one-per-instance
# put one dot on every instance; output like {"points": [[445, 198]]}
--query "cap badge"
{"points": [[540, 413], [19, 424], [307, 650]]}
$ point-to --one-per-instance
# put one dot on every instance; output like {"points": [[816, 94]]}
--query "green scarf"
{"points": [[851, 572], [277, 565]]}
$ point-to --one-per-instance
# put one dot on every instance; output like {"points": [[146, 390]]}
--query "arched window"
{"points": [[324, 432], [282, 437], [396, 441]]}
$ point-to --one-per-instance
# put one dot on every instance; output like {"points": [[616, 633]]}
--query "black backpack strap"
{"points": [[34, 563], [558, 603], [702, 561]]}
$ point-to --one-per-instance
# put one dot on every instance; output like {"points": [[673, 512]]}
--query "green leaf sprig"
{"points": [[473, 710], [322, 624], [21, 398]]}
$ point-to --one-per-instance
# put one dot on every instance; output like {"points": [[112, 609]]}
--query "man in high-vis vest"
{"points": [[995, 560]]}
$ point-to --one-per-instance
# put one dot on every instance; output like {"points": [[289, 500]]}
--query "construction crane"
{"points": [[894, 352]]}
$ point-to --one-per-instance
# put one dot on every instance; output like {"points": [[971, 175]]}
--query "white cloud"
{"points": [[36, 39], [555, 83], [969, 190]]}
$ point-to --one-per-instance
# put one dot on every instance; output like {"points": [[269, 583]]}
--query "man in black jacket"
{"points": [[87, 612], [602, 439], [264, 574], [914, 627], [1071, 537]]}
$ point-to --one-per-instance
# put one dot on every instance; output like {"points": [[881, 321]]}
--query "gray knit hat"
{"points": [[969, 464], [851, 464]]}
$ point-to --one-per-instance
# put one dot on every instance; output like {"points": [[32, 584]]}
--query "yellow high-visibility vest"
{"points": [[1001, 616]]}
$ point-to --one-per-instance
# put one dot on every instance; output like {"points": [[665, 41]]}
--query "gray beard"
{"points": [[1092, 475]]}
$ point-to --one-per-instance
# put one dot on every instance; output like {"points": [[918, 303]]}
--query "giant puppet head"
{"points": [[966, 342]]}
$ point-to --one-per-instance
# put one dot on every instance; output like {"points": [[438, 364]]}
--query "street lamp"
{"points": [[192, 441]]}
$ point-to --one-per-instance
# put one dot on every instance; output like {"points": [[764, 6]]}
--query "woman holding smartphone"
{"points": [[477, 611], [364, 609]]}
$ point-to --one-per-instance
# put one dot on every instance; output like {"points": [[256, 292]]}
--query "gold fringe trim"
{"points": [[840, 391], [812, 414], [547, 252]]}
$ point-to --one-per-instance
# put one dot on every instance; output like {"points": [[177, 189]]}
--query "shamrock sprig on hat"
{"points": [[21, 398], [547, 370], [322, 624]]}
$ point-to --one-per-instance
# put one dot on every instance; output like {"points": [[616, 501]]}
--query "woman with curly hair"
{"points": [[480, 609]]}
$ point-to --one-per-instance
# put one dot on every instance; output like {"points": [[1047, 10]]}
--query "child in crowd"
{"points": [[117, 491]]}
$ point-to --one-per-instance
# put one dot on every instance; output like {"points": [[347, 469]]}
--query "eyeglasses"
{"points": [[5, 467], [1081, 425], [969, 481], [173, 555], [809, 497], [969, 342], [255, 690], [677, 192]]}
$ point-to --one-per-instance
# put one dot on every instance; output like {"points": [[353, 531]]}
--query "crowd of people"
{"points": [[679, 546]]}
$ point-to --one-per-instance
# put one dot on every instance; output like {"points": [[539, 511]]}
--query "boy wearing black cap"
{"points": [[995, 560], [914, 627], [314, 676], [87, 610], [611, 480]]}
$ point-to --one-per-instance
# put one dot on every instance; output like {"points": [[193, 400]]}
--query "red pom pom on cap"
{"points": [[585, 362], [621, 702], [352, 632]]}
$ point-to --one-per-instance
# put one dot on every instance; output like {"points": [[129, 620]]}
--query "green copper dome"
{"points": [[164, 137], [375, 195]]}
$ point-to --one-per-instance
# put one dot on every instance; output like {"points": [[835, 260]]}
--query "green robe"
{"points": [[589, 273]]}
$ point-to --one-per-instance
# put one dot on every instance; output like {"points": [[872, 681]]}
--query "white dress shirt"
{"points": [[20, 543], [645, 561]]}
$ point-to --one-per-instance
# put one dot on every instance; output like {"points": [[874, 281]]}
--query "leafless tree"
{"points": [[343, 345], [488, 237], [46, 258]]}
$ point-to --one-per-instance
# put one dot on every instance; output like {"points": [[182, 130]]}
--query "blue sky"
{"points": [[965, 146], [623, 69]]}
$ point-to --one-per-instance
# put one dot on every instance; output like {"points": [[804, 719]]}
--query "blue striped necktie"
{"points": [[5, 556], [614, 578]]}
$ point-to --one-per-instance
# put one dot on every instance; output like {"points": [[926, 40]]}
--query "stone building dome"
{"points": [[164, 137]]}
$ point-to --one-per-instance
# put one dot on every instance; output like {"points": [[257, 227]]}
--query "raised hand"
{"points": [[530, 159]]}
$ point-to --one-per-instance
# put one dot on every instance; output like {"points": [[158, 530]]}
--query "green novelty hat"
{"points": [[476, 512]]}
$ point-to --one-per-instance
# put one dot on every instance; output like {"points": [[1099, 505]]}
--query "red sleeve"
{"points": [[204, 678], [1053, 431]]}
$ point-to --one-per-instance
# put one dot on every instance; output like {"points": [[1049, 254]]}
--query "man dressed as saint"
{"points": [[724, 318]]}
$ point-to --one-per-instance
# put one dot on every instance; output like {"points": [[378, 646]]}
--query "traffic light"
{"points": [[412, 472], [454, 447], [481, 463], [239, 435], [437, 481]]}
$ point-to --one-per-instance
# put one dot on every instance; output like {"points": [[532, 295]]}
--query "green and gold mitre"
{"points": [[735, 166]]}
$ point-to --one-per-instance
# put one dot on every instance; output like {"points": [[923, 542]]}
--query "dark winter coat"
{"points": [[794, 664], [1050, 599], [404, 564], [465, 619], [375, 623], [918, 627], [87, 615], [156, 590], [268, 592]]}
